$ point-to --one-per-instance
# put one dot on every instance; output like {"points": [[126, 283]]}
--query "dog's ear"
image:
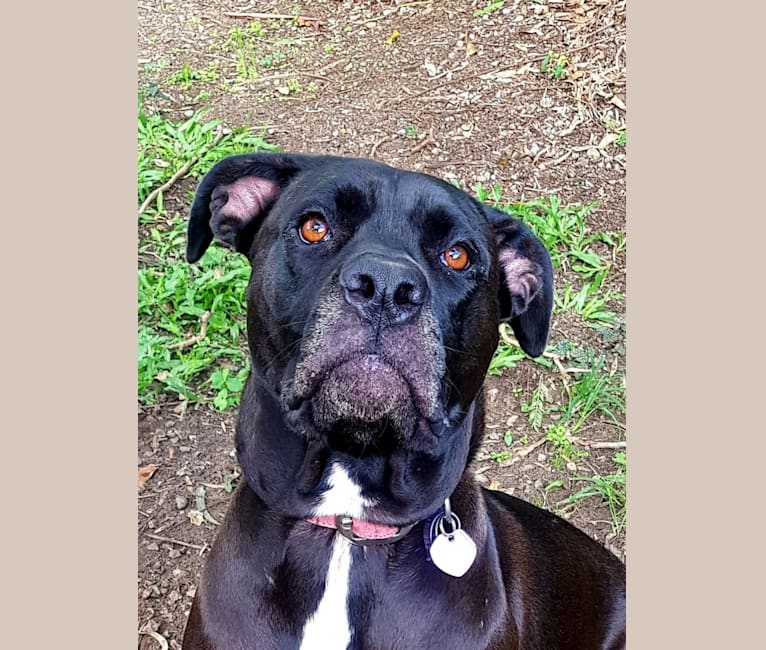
{"points": [[526, 281], [235, 196]]}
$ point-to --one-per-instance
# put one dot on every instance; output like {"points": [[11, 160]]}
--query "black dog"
{"points": [[373, 311]]}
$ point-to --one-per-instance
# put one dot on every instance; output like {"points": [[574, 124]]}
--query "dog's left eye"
{"points": [[314, 229]]}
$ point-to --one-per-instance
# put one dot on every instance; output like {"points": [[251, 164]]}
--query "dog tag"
{"points": [[453, 552]]}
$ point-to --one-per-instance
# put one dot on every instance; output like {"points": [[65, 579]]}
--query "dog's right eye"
{"points": [[314, 229], [456, 257]]}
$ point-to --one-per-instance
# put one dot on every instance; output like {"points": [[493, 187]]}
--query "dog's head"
{"points": [[374, 299]]}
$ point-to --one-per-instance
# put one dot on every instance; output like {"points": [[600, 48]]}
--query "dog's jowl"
{"points": [[373, 312]]}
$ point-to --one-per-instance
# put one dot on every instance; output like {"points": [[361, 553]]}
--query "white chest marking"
{"points": [[328, 628], [344, 497]]}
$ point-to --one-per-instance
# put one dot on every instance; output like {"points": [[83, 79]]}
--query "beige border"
{"points": [[69, 345], [692, 214]]}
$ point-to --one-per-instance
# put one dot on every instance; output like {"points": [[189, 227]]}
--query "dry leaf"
{"points": [[470, 49], [617, 101], [608, 139], [394, 37], [305, 21], [196, 517], [144, 474]]}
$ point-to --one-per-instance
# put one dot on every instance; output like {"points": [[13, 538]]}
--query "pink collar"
{"points": [[359, 531]]}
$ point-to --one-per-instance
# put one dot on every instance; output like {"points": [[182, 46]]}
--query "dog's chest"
{"points": [[328, 628]]}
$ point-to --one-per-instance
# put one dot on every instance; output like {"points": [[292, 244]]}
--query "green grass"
{"points": [[187, 75], [554, 65], [172, 300], [165, 146], [585, 256], [564, 449], [492, 6], [173, 296], [610, 489], [535, 408], [596, 392]]}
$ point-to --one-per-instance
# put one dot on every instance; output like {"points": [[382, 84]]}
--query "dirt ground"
{"points": [[426, 86]]}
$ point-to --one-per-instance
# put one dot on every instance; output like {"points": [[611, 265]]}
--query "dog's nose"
{"points": [[378, 286]]}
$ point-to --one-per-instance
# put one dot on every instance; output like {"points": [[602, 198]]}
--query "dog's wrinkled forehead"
{"points": [[391, 204]]}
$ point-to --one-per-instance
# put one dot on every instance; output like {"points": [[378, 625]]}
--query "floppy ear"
{"points": [[234, 197], [526, 281]]}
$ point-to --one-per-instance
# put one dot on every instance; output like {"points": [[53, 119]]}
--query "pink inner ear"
{"points": [[520, 276], [248, 196]]}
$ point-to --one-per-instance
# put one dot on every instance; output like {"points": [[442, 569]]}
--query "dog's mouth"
{"points": [[362, 404]]}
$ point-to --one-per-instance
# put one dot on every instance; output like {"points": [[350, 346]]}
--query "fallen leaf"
{"points": [[394, 37], [470, 49], [144, 474], [608, 139], [195, 517], [305, 21]]}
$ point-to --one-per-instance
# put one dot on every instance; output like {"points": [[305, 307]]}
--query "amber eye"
{"points": [[456, 257], [314, 230]]}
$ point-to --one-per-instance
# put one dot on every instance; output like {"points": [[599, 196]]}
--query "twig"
{"points": [[182, 345], [258, 16], [527, 450], [174, 541], [558, 161], [563, 373], [619, 444], [157, 637], [393, 10], [442, 85], [332, 65], [422, 145], [170, 524], [283, 75], [507, 338], [175, 177], [456, 163], [378, 143]]}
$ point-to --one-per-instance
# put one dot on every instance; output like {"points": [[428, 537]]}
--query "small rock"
{"points": [[541, 457], [153, 546], [181, 502], [571, 466], [174, 553], [184, 449]]}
